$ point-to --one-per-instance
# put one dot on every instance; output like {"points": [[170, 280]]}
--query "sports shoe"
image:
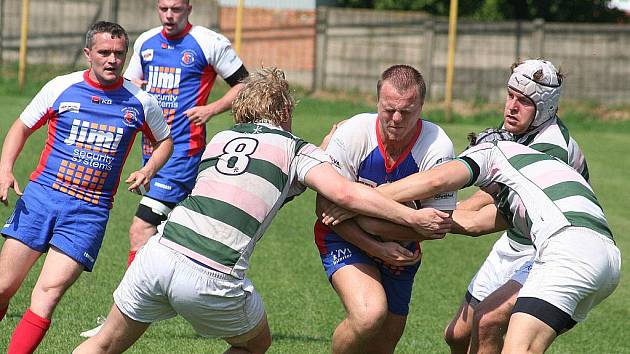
{"points": [[100, 320]]}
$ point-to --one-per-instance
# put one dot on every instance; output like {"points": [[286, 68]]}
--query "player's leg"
{"points": [[491, 318], [574, 271], [257, 340], [151, 212], [57, 275], [527, 334], [398, 285], [119, 332], [390, 333], [16, 260], [172, 183], [361, 292], [27, 233], [457, 332]]}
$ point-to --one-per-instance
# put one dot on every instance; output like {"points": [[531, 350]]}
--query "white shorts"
{"points": [[161, 283], [502, 264], [574, 270]]}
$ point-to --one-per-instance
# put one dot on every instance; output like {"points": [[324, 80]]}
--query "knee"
{"points": [[6, 293], [490, 323], [368, 321], [457, 334], [47, 297]]}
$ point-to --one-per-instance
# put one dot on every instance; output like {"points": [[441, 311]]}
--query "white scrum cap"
{"points": [[544, 92]]}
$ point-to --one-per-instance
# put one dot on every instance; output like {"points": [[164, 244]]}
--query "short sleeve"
{"points": [[478, 159], [39, 109], [308, 156], [155, 120], [218, 51]]}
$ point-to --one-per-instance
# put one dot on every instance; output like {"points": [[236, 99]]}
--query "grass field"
{"points": [[302, 307]]}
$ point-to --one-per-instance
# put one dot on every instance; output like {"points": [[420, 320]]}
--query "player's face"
{"points": [[519, 112], [174, 15], [398, 113], [106, 58]]}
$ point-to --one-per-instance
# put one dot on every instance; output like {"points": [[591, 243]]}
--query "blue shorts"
{"points": [[45, 217], [176, 179], [336, 253]]}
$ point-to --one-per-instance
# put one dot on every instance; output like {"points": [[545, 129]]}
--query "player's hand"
{"points": [[432, 223], [138, 182], [394, 254], [7, 180], [199, 115], [140, 83], [334, 214]]}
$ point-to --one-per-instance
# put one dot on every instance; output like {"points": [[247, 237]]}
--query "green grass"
{"points": [[303, 309]]}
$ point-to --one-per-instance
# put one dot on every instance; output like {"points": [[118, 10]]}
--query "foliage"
{"points": [[492, 10]]}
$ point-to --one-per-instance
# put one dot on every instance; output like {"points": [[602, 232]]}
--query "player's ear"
{"points": [[86, 52]]}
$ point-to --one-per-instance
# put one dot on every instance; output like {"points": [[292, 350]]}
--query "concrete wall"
{"points": [[354, 46]]}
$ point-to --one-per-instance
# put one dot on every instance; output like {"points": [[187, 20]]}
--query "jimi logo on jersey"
{"points": [[93, 136], [163, 79]]}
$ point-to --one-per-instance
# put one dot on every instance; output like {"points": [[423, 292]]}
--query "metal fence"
{"points": [[346, 49]]}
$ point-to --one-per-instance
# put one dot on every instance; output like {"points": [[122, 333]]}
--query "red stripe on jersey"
{"points": [[115, 189], [402, 156], [48, 115], [146, 130], [320, 230], [51, 116], [197, 132], [95, 84]]}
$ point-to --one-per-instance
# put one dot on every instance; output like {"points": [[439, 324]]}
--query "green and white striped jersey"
{"points": [[552, 138], [543, 194], [245, 175]]}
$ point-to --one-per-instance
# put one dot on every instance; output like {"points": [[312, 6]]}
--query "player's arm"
{"points": [[162, 151], [391, 231], [476, 201], [450, 176], [13, 143], [484, 221], [390, 252], [201, 114], [362, 199]]}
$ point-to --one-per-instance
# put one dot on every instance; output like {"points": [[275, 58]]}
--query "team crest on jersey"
{"points": [[188, 58], [147, 54], [69, 107], [130, 116]]}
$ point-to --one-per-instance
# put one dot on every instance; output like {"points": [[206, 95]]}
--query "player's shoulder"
{"points": [[62, 82], [434, 135], [359, 123], [147, 100], [205, 35]]}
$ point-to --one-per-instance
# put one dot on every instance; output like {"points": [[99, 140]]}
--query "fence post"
{"points": [[538, 37], [427, 61], [114, 11], [1, 30], [215, 16], [321, 39]]}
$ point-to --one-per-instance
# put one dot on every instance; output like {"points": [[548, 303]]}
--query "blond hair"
{"points": [[265, 97]]}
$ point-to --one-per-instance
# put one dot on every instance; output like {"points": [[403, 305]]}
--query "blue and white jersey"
{"points": [[180, 72], [356, 149], [91, 129]]}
